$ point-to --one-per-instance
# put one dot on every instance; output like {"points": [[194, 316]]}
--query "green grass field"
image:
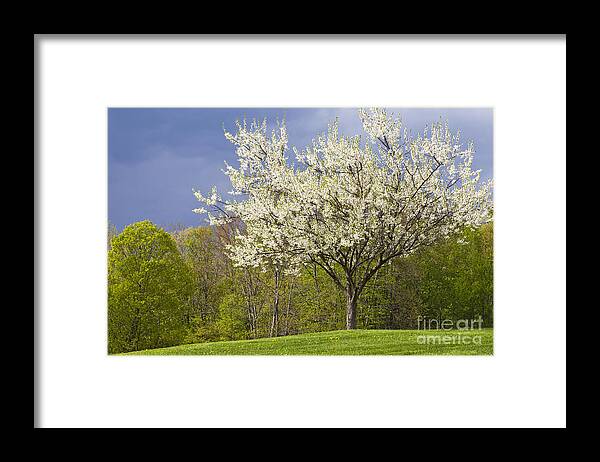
{"points": [[356, 342]]}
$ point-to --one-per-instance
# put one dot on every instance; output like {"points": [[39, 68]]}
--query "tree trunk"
{"points": [[352, 299], [287, 311], [275, 320], [249, 290], [134, 331]]}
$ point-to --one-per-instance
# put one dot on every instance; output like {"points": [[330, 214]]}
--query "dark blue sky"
{"points": [[157, 156]]}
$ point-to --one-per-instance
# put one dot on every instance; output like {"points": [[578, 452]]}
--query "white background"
{"points": [[523, 384]]}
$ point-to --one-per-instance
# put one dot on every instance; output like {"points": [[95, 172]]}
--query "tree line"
{"points": [[179, 286]]}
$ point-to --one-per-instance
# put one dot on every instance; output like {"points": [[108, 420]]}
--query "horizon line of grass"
{"points": [[341, 343]]}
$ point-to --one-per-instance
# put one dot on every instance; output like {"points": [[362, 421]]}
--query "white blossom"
{"points": [[344, 205]]}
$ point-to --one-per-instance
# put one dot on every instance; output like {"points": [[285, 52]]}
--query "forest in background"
{"points": [[179, 286]]}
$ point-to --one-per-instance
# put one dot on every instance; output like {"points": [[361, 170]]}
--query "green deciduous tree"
{"points": [[148, 288], [456, 280], [201, 251], [110, 233]]}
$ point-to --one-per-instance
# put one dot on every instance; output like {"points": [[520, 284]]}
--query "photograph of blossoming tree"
{"points": [[314, 231]]}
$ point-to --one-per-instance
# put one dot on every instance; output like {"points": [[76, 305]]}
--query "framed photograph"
{"points": [[370, 236], [345, 229]]}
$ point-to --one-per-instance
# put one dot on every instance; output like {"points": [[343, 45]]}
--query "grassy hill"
{"points": [[356, 342]]}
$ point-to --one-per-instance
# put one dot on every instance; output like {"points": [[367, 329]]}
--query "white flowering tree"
{"points": [[347, 204]]}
